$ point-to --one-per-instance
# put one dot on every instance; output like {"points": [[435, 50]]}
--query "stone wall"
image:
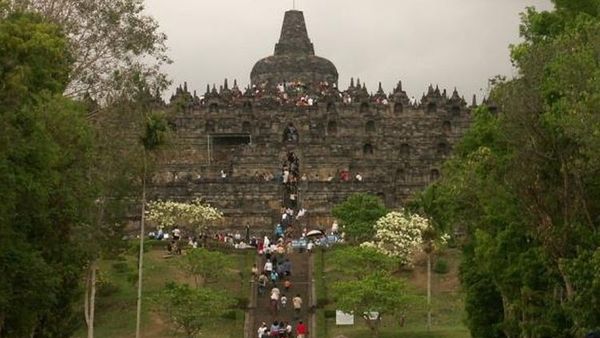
{"points": [[397, 147]]}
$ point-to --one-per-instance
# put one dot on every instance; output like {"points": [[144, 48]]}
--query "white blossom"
{"points": [[170, 213], [399, 234]]}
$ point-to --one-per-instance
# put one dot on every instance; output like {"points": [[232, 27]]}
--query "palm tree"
{"points": [[155, 133]]}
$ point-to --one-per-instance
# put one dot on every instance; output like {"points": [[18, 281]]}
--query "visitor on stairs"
{"points": [[268, 266], [262, 329], [262, 283], [288, 329], [275, 329], [274, 301], [297, 301], [301, 330]]}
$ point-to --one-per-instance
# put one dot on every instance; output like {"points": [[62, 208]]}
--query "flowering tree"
{"points": [[170, 213], [399, 234]]}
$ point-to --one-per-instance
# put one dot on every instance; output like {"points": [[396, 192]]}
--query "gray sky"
{"points": [[453, 43]]}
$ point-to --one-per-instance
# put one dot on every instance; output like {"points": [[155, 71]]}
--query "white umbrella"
{"points": [[315, 233]]}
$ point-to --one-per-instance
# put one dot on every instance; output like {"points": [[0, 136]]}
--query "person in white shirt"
{"points": [[262, 329], [268, 266], [334, 227], [275, 293], [286, 176], [176, 234]]}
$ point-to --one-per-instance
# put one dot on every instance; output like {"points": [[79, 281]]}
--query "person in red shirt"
{"points": [[301, 330]]}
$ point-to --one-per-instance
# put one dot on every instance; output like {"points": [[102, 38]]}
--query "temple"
{"points": [[231, 143], [294, 58]]}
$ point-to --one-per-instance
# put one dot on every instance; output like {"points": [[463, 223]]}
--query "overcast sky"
{"points": [[453, 43]]}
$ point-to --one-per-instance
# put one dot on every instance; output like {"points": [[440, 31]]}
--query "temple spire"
{"points": [[294, 36]]}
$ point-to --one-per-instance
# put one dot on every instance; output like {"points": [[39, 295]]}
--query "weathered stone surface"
{"points": [[397, 145], [294, 58]]}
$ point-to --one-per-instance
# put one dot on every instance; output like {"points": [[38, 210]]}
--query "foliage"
{"points": [[111, 42], [190, 310], [156, 131], [441, 266], [45, 151], [524, 186], [358, 215], [33, 58], [169, 213], [204, 265], [399, 235], [375, 292], [346, 259]]}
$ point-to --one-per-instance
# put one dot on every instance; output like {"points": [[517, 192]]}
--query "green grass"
{"points": [[116, 301], [447, 306]]}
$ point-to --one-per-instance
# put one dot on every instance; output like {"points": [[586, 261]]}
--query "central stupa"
{"points": [[294, 58]]}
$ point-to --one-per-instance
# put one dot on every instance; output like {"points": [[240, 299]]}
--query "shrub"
{"points": [[441, 266], [120, 267], [329, 314], [231, 315]]}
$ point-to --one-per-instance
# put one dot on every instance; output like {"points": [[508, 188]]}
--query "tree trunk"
{"points": [[428, 291], [91, 301], [141, 253], [373, 324], [86, 298]]}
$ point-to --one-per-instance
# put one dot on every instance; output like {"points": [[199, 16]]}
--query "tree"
{"points": [[195, 213], [34, 58], [399, 235], [375, 292], [111, 42], [205, 266], [358, 215], [524, 184], [106, 50], [190, 309], [45, 151], [155, 133], [348, 258]]}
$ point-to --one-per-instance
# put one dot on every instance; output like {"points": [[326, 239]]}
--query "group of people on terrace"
{"points": [[296, 93]]}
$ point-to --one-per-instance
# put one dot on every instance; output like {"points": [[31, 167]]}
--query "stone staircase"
{"points": [[301, 284]]}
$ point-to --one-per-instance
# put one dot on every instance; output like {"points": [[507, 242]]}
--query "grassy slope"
{"points": [[116, 305], [447, 304]]}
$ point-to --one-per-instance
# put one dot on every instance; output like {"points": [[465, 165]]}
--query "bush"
{"points": [[134, 248], [231, 315], [153, 244], [441, 267], [241, 302], [329, 314], [105, 286], [120, 267], [322, 302]]}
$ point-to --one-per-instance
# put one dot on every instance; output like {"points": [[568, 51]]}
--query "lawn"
{"points": [[117, 294], [447, 304]]}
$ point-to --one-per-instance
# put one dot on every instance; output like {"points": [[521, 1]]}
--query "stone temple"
{"points": [[230, 143]]}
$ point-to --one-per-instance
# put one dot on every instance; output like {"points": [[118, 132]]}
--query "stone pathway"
{"points": [[300, 285]]}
